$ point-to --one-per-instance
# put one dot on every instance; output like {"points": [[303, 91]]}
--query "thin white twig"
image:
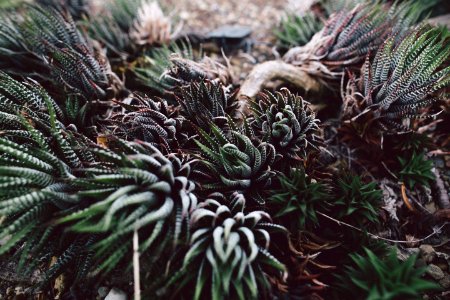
{"points": [[136, 273], [377, 237]]}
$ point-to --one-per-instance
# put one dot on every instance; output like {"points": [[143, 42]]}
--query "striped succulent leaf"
{"points": [[235, 162], [229, 250], [76, 8], [185, 70], [348, 36], [50, 41], [297, 29], [38, 163], [206, 102], [402, 80], [148, 120], [138, 188], [153, 69], [285, 121], [127, 28]]}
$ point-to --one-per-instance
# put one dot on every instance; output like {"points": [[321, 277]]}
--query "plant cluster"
{"points": [[215, 196], [350, 34]]}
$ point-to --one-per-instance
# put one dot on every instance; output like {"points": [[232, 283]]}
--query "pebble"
{"points": [[427, 252], [445, 282], [102, 291], [435, 272], [116, 294]]}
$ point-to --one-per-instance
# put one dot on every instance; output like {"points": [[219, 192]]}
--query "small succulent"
{"points": [[416, 170], [186, 70], [229, 250], [148, 120], [355, 200], [295, 203], [297, 30], [153, 68], [234, 163], [127, 28], [206, 102], [372, 277], [151, 26], [166, 68], [285, 121]]}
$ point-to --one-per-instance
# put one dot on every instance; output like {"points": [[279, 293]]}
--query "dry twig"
{"points": [[377, 237], [270, 71]]}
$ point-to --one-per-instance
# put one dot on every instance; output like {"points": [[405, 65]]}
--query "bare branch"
{"points": [[270, 71]]}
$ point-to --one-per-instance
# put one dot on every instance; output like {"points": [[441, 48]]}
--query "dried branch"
{"points": [[270, 71]]}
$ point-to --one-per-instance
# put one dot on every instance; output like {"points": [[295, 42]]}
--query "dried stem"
{"points": [[270, 71], [136, 271]]}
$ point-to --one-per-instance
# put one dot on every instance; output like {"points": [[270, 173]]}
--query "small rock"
{"points": [[431, 207], [439, 162], [435, 272], [445, 282], [9, 292], [427, 252], [116, 294], [102, 291], [231, 32]]}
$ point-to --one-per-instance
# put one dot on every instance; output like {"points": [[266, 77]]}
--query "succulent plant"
{"points": [[57, 182], [129, 28], [234, 163], [142, 190], [96, 179], [295, 203], [356, 201], [47, 41], [186, 70], [402, 79], [297, 30], [206, 102], [153, 68], [39, 159], [151, 26], [148, 120], [285, 121], [348, 36], [76, 8], [416, 170], [372, 277], [166, 68], [229, 250]]}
